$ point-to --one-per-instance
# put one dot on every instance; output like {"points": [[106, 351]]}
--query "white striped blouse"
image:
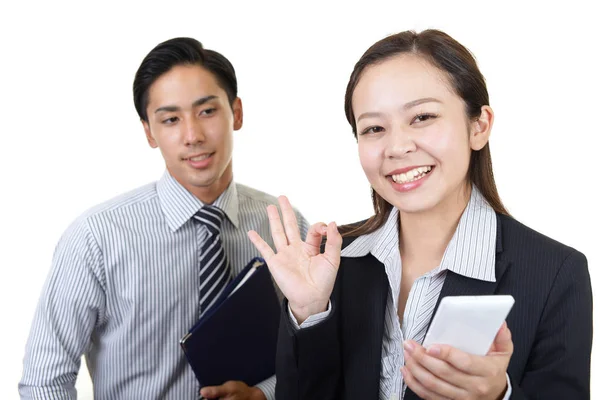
{"points": [[123, 289], [471, 253]]}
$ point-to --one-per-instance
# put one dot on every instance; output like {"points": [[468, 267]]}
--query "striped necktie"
{"points": [[215, 272]]}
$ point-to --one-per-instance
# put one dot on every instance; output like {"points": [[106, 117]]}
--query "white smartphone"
{"points": [[469, 323]]}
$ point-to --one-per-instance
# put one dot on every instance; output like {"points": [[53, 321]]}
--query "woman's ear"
{"points": [[481, 129]]}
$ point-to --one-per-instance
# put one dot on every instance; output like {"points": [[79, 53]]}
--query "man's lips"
{"points": [[198, 157]]}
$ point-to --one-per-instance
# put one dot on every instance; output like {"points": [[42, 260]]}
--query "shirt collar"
{"points": [[381, 242], [476, 232], [179, 205]]}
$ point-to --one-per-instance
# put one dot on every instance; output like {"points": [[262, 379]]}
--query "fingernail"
{"points": [[408, 347], [434, 351]]}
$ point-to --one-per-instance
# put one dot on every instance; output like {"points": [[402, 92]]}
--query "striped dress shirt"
{"points": [[471, 252], [124, 288]]}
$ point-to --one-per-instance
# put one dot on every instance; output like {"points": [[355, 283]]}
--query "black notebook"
{"points": [[236, 339]]}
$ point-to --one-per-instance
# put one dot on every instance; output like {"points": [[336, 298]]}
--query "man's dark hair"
{"points": [[180, 51]]}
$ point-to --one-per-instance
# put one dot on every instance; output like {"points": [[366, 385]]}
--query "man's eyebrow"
{"points": [[196, 103]]}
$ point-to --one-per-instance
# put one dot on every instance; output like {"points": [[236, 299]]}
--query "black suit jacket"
{"points": [[551, 324]]}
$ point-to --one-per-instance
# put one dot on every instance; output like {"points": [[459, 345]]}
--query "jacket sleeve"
{"points": [[308, 364], [559, 364]]}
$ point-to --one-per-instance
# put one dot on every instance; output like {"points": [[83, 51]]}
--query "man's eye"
{"points": [[208, 111]]}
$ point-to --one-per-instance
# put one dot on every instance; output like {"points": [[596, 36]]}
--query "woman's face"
{"points": [[414, 137]]}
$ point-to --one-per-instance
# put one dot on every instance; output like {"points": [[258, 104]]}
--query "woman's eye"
{"points": [[170, 121], [424, 117], [372, 129]]}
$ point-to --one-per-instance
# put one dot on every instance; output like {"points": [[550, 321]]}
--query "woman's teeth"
{"points": [[411, 175]]}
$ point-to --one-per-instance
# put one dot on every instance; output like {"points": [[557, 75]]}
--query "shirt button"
{"points": [[394, 397]]}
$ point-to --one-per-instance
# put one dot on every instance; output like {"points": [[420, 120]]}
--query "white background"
{"points": [[70, 137]]}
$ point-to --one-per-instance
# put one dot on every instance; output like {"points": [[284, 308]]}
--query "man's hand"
{"points": [[444, 372], [233, 390]]}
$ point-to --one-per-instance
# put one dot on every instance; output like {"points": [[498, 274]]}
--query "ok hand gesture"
{"points": [[304, 275]]}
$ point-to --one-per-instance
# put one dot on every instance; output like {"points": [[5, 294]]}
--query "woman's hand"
{"points": [[444, 372], [304, 275]]}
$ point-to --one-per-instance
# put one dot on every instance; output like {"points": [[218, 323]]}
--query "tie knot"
{"points": [[211, 217]]}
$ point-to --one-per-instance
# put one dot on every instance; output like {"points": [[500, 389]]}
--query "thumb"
{"points": [[213, 392], [314, 237], [333, 246], [503, 341]]}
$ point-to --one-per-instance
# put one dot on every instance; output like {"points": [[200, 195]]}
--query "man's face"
{"points": [[191, 121]]}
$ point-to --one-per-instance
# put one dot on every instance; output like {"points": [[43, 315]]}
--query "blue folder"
{"points": [[236, 339]]}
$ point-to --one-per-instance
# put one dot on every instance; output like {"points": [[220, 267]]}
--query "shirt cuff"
{"points": [[268, 387], [508, 389], [312, 320]]}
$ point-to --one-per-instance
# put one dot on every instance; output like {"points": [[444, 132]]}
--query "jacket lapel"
{"points": [[362, 335], [459, 285]]}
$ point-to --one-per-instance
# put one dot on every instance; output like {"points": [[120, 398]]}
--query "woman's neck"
{"points": [[424, 236]]}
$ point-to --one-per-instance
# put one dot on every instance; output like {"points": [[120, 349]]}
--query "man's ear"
{"points": [[149, 137], [238, 114]]}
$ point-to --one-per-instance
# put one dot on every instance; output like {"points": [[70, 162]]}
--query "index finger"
{"points": [[465, 362]]}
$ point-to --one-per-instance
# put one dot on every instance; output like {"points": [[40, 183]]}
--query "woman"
{"points": [[356, 315]]}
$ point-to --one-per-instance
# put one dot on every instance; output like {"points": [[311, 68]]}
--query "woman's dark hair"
{"points": [[180, 51], [460, 66]]}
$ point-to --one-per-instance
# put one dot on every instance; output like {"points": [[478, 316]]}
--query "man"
{"points": [[131, 276]]}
